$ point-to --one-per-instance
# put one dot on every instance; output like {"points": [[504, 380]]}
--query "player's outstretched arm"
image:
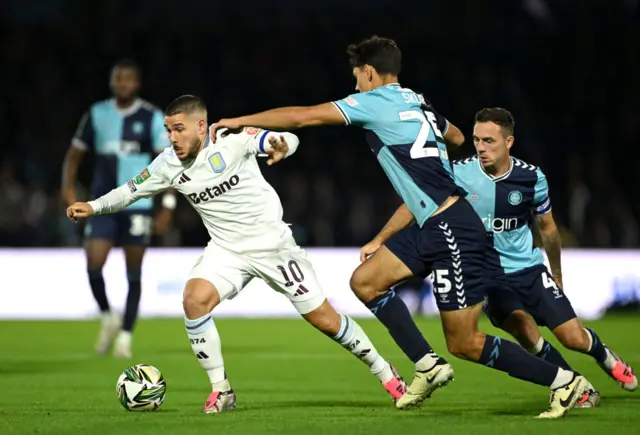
{"points": [[552, 243], [283, 118], [149, 182], [399, 221]]}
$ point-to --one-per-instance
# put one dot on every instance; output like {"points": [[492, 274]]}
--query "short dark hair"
{"points": [[127, 63], [185, 104], [381, 53], [499, 116]]}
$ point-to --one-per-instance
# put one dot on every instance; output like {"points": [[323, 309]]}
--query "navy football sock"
{"points": [[508, 357], [597, 350], [133, 300], [551, 354], [394, 314]]}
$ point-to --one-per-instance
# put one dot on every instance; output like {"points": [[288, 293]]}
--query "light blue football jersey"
{"points": [[406, 134], [507, 205], [123, 141]]}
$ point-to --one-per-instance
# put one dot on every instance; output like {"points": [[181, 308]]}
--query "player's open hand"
{"points": [[79, 210], [369, 249], [277, 150], [232, 125]]}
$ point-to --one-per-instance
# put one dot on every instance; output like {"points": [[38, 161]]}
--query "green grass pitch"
{"points": [[289, 379]]}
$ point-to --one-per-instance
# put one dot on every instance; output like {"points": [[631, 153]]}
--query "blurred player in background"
{"points": [[243, 215], [508, 194], [123, 133], [440, 231]]}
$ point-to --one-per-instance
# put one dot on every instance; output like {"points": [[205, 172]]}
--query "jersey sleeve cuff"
{"points": [[78, 143], [446, 128], [261, 142], [342, 112]]}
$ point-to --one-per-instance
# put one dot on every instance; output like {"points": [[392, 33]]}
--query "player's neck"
{"points": [[500, 169], [385, 80], [125, 104]]}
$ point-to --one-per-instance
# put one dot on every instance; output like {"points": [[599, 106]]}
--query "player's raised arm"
{"points": [[283, 118]]}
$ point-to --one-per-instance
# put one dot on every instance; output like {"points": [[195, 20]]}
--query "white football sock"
{"points": [[205, 342], [537, 348], [353, 338], [562, 378], [427, 362]]}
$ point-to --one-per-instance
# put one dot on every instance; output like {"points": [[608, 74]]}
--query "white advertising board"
{"points": [[53, 284]]}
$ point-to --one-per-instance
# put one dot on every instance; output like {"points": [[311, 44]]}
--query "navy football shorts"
{"points": [[127, 227], [451, 247], [532, 290]]}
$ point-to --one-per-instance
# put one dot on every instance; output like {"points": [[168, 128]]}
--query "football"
{"points": [[141, 388]]}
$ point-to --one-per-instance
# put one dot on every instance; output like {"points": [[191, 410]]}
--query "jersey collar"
{"points": [[501, 177], [129, 110]]}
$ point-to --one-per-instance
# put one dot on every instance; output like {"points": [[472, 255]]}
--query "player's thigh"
{"points": [[523, 328], [546, 301], [394, 262], [226, 271], [454, 245], [134, 228], [100, 236], [291, 273]]}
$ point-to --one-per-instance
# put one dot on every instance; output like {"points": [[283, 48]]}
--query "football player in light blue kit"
{"points": [[509, 195], [123, 133], [435, 231]]}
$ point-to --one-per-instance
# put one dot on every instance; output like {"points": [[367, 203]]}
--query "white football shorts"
{"points": [[287, 271]]}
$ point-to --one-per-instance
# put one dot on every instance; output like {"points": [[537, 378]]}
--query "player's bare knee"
{"points": [[466, 346], [573, 336], [199, 298], [362, 286]]}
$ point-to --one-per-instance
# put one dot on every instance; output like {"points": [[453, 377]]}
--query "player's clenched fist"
{"points": [[79, 210]]}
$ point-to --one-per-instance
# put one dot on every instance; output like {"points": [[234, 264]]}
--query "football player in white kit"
{"points": [[243, 215]]}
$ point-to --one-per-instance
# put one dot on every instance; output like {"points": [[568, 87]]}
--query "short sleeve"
{"points": [[357, 109], [442, 123], [541, 200], [159, 138], [83, 137]]}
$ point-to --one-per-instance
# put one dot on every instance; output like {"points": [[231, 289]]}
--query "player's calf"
{"points": [[345, 331], [199, 298], [370, 282], [574, 336], [523, 328]]}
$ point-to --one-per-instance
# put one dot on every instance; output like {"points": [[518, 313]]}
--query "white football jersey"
{"points": [[241, 211]]}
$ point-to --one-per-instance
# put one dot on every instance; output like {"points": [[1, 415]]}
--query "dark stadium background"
{"points": [[568, 70]]}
